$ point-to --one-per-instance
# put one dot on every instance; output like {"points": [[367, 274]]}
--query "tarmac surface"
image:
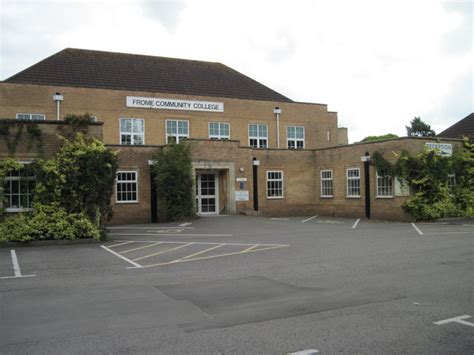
{"points": [[245, 285]]}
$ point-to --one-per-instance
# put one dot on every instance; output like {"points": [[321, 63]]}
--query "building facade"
{"points": [[254, 150]]}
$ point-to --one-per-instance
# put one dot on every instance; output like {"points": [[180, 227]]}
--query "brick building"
{"points": [[255, 151]]}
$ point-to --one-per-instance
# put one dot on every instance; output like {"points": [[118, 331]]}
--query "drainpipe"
{"points": [[58, 98], [277, 112]]}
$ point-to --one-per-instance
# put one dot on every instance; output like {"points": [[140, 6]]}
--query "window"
{"points": [[176, 129], [127, 187], [451, 181], [326, 183], [18, 190], [132, 131], [274, 184], [31, 116], [258, 135], [384, 184], [295, 137], [353, 182], [219, 130], [93, 118]]}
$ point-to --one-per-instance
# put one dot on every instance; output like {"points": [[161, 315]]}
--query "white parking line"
{"points": [[139, 248], [202, 251], [150, 227], [16, 268], [174, 234], [119, 244], [185, 224], [458, 319], [309, 219], [305, 352], [121, 257], [356, 223], [162, 252], [417, 229]]}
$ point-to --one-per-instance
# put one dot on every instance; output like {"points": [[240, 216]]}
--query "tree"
{"points": [[418, 128], [384, 137]]}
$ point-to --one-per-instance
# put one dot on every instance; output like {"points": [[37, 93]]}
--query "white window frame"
{"points": [[451, 181], [378, 187], [117, 181], [275, 180], [177, 135], [258, 137], [350, 179], [295, 140], [30, 118], [28, 193], [219, 135], [132, 134], [323, 179]]}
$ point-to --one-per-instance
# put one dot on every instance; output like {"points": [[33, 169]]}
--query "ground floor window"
{"points": [[127, 186], [219, 130], [274, 184], [326, 183], [384, 184], [451, 181], [18, 190], [258, 135], [353, 182], [176, 129]]}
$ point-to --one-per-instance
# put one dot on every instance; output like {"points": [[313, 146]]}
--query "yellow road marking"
{"points": [[162, 252], [251, 248], [119, 244], [202, 252], [213, 256], [146, 246]]}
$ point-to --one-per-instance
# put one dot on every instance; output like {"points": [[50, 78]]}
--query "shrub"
{"points": [[47, 222]]}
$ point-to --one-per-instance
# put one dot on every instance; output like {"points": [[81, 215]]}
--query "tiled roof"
{"points": [[119, 71], [463, 128]]}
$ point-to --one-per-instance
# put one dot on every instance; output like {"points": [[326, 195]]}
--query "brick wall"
{"points": [[110, 105]]}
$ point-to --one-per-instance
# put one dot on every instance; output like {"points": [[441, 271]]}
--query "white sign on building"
{"points": [[174, 104], [241, 195], [444, 149]]}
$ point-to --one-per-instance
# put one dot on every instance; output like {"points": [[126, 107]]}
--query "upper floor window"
{"points": [[353, 182], [31, 116], [274, 184], [295, 137], [384, 184], [18, 190], [219, 130], [126, 187], [176, 129], [132, 131], [326, 183], [258, 135]]}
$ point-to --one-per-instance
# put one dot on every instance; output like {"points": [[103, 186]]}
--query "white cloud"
{"points": [[378, 63]]}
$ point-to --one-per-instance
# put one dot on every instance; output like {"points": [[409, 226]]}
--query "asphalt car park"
{"points": [[240, 285]]}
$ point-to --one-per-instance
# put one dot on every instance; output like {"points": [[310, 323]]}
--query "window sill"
{"points": [[18, 210], [326, 196], [353, 197], [275, 198], [125, 202], [383, 197]]}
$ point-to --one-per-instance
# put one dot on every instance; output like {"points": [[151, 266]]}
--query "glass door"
{"points": [[207, 194]]}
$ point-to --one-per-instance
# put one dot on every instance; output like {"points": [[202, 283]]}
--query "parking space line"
{"points": [[208, 243], [251, 248], [417, 229], [16, 268], [356, 223], [139, 248], [122, 257], [151, 227], [171, 234], [162, 252], [202, 251], [119, 244], [177, 261], [442, 233], [309, 219]]}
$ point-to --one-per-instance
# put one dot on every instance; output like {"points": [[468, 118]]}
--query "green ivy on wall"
{"points": [[33, 130]]}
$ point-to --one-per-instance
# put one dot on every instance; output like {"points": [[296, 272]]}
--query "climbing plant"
{"points": [[174, 182], [33, 130]]}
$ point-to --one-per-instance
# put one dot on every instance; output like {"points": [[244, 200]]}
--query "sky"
{"points": [[377, 63]]}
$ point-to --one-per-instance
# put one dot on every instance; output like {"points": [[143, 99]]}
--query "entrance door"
{"points": [[207, 193]]}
